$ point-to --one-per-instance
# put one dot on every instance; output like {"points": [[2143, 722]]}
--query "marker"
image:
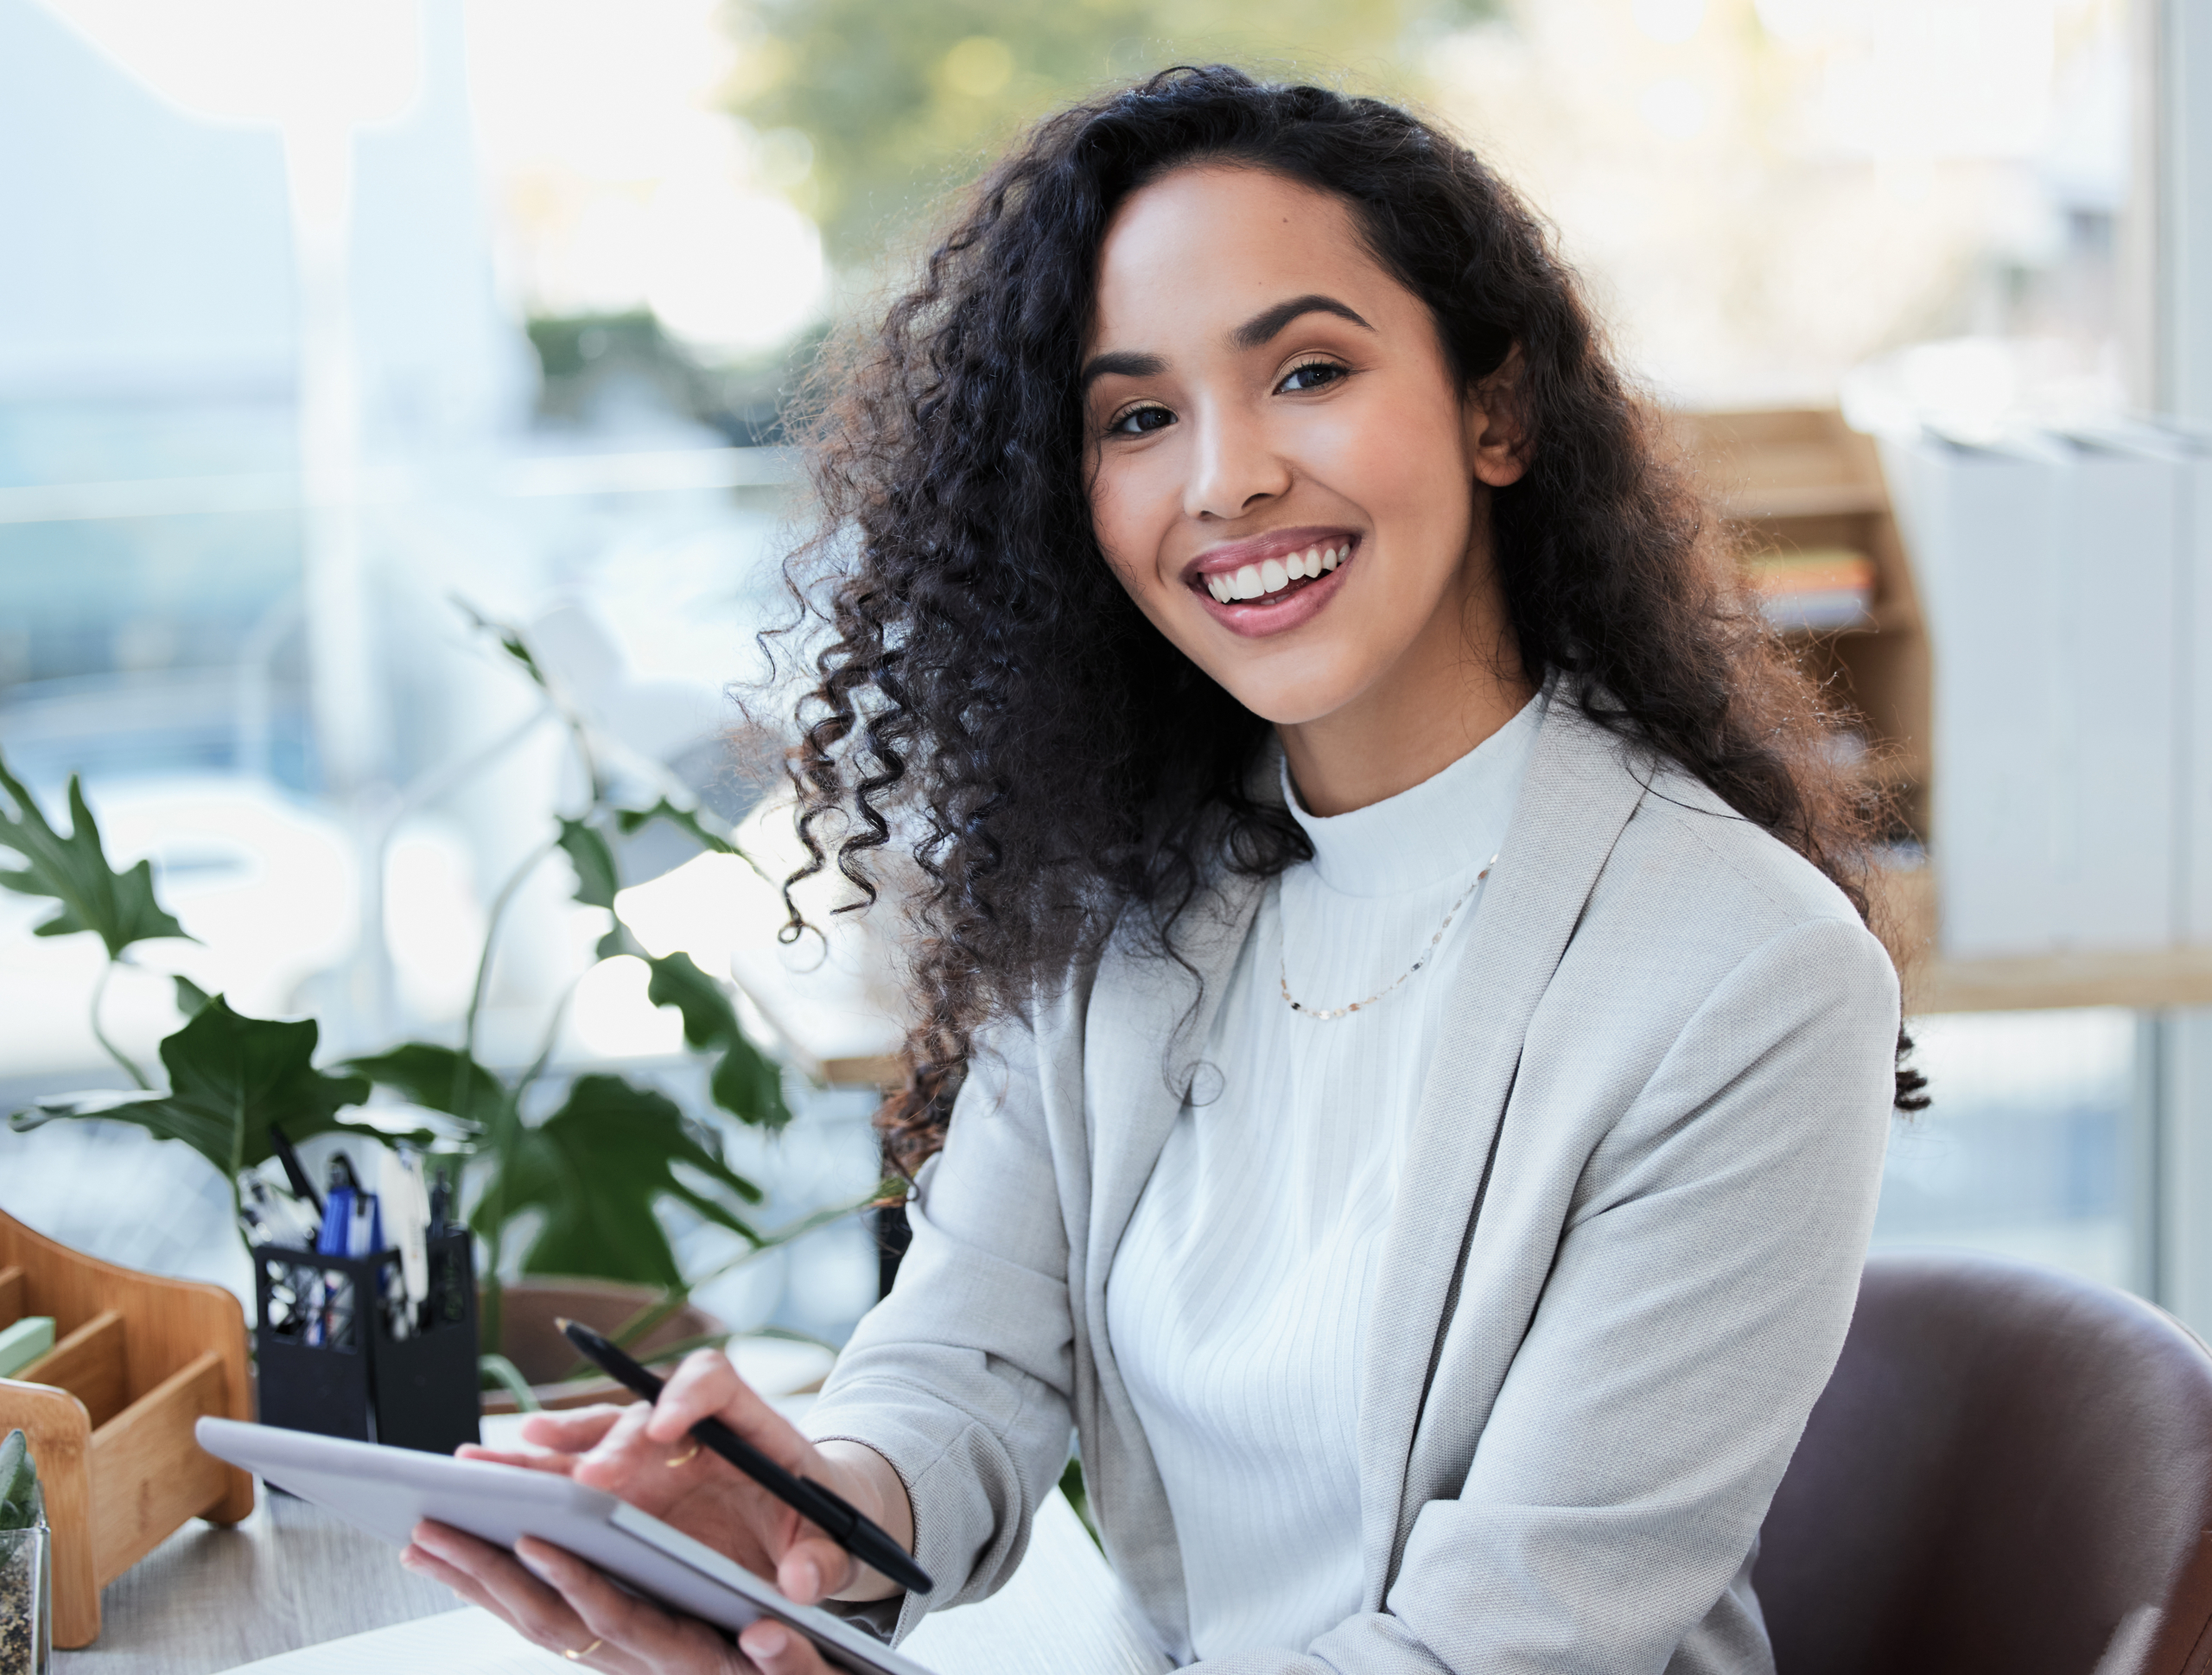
{"points": [[405, 1208], [844, 1523], [441, 1201], [271, 1220]]}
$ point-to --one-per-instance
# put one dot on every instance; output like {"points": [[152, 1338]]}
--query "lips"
{"points": [[1273, 576], [1272, 582]]}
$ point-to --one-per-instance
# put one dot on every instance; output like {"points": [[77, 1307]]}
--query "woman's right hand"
{"points": [[644, 1455]]}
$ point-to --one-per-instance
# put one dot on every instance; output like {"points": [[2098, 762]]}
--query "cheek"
{"points": [[1132, 508], [1401, 464]]}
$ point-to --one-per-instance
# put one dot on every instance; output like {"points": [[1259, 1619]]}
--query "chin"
{"points": [[1290, 698]]}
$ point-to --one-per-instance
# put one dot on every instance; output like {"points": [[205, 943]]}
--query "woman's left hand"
{"points": [[564, 1605]]}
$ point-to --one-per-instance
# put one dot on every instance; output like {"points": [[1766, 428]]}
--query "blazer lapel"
{"points": [[1146, 1033], [1579, 793], [1144, 1036]]}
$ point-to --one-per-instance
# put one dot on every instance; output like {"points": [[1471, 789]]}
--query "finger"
{"points": [[560, 1464], [707, 1386], [574, 1430], [625, 1448], [422, 1563], [780, 1651], [667, 1645], [536, 1611], [814, 1567]]}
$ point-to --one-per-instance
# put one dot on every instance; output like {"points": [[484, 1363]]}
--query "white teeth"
{"points": [[1249, 585], [1273, 576], [1312, 561], [1328, 559], [1296, 565], [1218, 586]]}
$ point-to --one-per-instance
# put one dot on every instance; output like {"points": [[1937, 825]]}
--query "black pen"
{"points": [[302, 1189], [844, 1523]]}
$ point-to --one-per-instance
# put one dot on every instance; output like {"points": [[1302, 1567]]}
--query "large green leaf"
{"points": [[437, 1078], [709, 1017], [229, 1077], [749, 1085], [595, 1169], [74, 870], [746, 1083], [589, 851]]}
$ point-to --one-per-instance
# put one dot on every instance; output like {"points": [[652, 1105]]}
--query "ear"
{"points": [[1494, 438]]}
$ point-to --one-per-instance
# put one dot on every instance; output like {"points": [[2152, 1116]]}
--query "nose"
{"points": [[1234, 467]]}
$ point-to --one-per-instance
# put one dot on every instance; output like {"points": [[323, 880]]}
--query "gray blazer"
{"points": [[1623, 1257]]}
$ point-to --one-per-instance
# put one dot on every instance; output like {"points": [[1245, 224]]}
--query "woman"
{"points": [[1404, 1072]]}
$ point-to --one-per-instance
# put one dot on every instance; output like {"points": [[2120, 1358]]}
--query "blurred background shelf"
{"points": [[1795, 480], [1800, 482]]}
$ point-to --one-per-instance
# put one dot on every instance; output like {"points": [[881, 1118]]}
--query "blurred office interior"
{"points": [[323, 326]]}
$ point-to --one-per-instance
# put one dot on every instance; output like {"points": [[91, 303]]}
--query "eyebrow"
{"points": [[1260, 329], [1120, 363]]}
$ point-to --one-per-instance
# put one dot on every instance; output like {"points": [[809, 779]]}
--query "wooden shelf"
{"points": [[110, 1411], [2149, 978], [1779, 502], [2022, 983], [1801, 480]]}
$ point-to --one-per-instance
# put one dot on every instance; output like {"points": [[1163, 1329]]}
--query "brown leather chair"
{"points": [[2011, 1471]]}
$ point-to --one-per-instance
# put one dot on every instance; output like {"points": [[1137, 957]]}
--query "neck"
{"points": [[1455, 686]]}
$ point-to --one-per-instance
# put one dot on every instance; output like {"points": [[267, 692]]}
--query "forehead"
{"points": [[1206, 246]]}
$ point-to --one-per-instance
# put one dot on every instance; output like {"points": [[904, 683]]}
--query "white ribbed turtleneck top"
{"points": [[1237, 1299]]}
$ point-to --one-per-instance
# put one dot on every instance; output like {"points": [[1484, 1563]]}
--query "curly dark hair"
{"points": [[990, 701]]}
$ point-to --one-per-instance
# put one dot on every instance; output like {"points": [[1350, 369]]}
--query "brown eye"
{"points": [[1141, 422], [1314, 375]]}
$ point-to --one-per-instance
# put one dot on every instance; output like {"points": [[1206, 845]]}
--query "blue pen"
{"points": [[336, 1236]]}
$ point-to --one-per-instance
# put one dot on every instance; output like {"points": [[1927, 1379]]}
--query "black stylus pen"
{"points": [[844, 1523]]}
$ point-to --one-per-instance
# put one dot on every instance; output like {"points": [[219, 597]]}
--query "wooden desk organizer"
{"points": [[109, 1410]]}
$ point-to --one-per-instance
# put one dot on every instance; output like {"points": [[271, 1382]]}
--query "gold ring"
{"points": [[578, 1657], [684, 1458]]}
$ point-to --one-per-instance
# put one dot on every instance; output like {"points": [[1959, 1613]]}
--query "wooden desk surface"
{"points": [[293, 1576], [208, 1599]]}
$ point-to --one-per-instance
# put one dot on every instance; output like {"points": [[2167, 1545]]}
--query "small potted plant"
{"points": [[26, 1564], [581, 1189]]}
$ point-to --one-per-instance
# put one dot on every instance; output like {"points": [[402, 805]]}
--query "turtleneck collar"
{"points": [[1447, 825]]}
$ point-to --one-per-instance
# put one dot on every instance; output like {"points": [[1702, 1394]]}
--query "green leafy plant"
{"points": [[118, 906], [596, 1169], [230, 1078], [19, 1496], [592, 1172]]}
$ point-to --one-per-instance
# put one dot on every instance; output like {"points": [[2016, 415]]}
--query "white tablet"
{"points": [[388, 1491]]}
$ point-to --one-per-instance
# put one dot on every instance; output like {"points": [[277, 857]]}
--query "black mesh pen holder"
{"points": [[342, 1352]]}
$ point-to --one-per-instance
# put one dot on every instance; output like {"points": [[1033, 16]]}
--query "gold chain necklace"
{"points": [[1328, 1014]]}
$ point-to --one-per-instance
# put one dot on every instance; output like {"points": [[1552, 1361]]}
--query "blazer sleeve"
{"points": [[961, 1378], [1695, 1310]]}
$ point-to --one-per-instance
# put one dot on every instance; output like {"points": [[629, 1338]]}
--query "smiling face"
{"points": [[1289, 482]]}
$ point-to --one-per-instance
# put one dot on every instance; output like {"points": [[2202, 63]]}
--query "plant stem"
{"points": [[508, 1120], [509, 1377], [497, 1135], [500, 903], [651, 1316], [100, 993]]}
